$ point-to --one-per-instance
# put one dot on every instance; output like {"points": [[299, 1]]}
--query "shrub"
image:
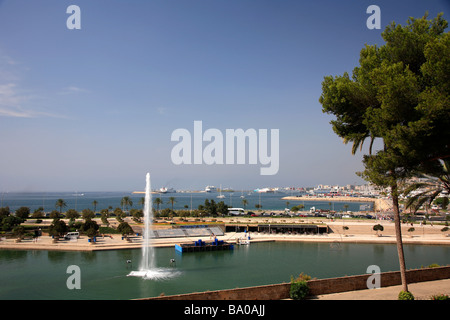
{"points": [[405, 295], [434, 265], [299, 290], [440, 297], [302, 277], [299, 287]]}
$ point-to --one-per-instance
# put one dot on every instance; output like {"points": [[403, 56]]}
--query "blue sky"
{"points": [[94, 109]]}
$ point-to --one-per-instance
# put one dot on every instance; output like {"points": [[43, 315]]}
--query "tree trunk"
{"points": [[398, 234]]}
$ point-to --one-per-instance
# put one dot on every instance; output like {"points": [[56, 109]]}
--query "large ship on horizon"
{"points": [[265, 190], [166, 190], [210, 189]]}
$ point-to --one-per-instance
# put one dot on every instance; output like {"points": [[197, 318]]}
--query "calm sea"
{"points": [[80, 201]]}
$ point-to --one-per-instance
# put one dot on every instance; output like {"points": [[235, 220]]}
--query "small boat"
{"points": [[220, 196], [264, 190], [243, 241]]}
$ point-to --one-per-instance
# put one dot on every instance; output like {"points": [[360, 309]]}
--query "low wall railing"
{"points": [[316, 286]]}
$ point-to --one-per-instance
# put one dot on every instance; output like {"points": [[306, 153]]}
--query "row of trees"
{"points": [[125, 202], [89, 227], [399, 95], [210, 208], [58, 227], [8, 221]]}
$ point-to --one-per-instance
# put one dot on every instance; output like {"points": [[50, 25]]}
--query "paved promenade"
{"points": [[358, 231], [420, 290]]}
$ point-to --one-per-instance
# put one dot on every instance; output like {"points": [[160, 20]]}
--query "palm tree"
{"points": [[95, 203], [244, 202], [126, 201], [158, 201], [172, 201], [142, 202], [60, 203], [430, 187]]}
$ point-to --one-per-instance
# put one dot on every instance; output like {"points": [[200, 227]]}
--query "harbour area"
{"points": [[380, 204]]}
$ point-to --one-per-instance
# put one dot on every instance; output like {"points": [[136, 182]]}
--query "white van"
{"points": [[236, 211], [72, 236]]}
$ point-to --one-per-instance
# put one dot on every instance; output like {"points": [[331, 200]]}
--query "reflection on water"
{"points": [[156, 274]]}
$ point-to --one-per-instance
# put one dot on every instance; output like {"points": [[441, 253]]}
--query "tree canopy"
{"points": [[399, 93], [8, 221]]}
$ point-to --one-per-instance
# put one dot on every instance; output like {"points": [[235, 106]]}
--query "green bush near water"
{"points": [[299, 290], [299, 287]]}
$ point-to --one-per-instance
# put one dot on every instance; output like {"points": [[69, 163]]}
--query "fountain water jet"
{"points": [[147, 268], [147, 251]]}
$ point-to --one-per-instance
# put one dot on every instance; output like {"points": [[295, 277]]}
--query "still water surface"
{"points": [[268, 201], [42, 274]]}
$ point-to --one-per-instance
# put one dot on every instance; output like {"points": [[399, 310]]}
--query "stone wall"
{"points": [[317, 287], [352, 283]]}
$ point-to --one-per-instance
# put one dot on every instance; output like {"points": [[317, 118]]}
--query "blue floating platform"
{"points": [[200, 246]]}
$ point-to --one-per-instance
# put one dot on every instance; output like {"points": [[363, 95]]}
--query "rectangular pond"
{"points": [[103, 274]]}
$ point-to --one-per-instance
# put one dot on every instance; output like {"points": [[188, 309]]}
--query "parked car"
{"points": [[71, 235]]}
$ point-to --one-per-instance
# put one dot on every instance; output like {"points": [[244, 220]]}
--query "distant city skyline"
{"points": [[93, 109]]}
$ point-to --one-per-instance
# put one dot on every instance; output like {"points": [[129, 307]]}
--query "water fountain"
{"points": [[147, 268]]}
